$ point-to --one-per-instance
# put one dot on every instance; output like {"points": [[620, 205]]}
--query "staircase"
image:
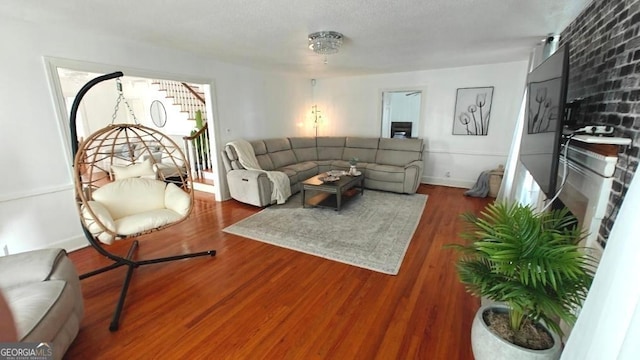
{"points": [[190, 99]]}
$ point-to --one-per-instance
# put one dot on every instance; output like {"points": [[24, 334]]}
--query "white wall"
{"points": [[37, 209], [97, 106], [353, 105], [36, 197]]}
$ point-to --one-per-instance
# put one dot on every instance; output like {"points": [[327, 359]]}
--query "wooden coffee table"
{"points": [[331, 194]]}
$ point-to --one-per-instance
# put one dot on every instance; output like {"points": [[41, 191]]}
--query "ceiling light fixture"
{"points": [[325, 43]]}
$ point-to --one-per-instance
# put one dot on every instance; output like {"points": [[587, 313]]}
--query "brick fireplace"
{"points": [[605, 74]]}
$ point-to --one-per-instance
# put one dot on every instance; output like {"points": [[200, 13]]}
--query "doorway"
{"points": [[401, 113], [146, 94]]}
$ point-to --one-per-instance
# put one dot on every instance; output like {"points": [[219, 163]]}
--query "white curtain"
{"points": [[507, 192], [608, 326]]}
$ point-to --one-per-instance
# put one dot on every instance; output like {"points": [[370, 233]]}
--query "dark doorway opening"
{"points": [[401, 129]]}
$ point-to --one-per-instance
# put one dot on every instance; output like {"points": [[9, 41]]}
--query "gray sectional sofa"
{"points": [[388, 164]]}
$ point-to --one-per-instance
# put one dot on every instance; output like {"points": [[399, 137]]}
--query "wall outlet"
{"points": [[447, 174]]}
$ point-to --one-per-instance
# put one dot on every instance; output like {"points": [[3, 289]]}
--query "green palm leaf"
{"points": [[529, 260]]}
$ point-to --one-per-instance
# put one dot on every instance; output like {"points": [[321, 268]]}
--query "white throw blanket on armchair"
{"points": [[280, 181]]}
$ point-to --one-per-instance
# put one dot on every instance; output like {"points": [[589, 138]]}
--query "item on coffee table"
{"points": [[330, 178]]}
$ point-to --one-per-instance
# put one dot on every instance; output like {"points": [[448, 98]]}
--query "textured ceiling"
{"points": [[381, 36]]}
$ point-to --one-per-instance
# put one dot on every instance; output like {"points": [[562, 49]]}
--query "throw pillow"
{"points": [[143, 169]]}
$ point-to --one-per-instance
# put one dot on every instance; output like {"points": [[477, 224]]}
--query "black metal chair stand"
{"points": [[132, 264]]}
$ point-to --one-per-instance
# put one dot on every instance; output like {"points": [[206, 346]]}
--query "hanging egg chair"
{"points": [[126, 151], [130, 180]]}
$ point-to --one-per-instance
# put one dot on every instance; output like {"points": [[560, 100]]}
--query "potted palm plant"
{"points": [[531, 265]]}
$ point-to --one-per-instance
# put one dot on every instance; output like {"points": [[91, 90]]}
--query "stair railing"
{"points": [[196, 145], [193, 92], [198, 153], [189, 100]]}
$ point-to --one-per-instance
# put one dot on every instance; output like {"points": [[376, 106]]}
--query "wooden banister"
{"points": [[193, 92], [196, 135]]}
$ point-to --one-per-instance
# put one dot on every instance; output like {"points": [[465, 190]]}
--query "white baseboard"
{"points": [[444, 181], [204, 187], [71, 244]]}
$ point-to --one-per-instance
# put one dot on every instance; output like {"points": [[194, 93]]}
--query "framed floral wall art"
{"points": [[473, 111]]}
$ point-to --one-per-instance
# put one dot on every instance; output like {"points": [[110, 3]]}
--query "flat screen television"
{"points": [[542, 133]]}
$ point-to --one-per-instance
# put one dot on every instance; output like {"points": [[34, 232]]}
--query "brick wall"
{"points": [[605, 71]]}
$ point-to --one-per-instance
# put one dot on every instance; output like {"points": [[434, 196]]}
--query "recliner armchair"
{"points": [[42, 290]]}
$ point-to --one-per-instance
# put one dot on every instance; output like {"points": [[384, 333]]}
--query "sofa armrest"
{"points": [[246, 174], [250, 187], [413, 176], [30, 266], [416, 163]]}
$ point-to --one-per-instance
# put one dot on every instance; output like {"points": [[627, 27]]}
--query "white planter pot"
{"points": [[488, 346]]}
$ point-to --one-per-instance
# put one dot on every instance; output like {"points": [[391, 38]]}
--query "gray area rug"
{"points": [[372, 231]]}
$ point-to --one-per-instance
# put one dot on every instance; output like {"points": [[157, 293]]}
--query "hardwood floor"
{"points": [[257, 301]]}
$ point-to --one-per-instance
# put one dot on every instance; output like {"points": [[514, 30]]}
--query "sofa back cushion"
{"points": [[230, 158], [280, 152], [401, 144], [131, 196], [364, 149], [277, 153], [398, 152], [260, 150], [304, 148], [330, 148], [262, 155]]}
